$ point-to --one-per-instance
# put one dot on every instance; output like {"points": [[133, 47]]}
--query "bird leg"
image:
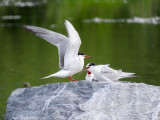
{"points": [[71, 79]]}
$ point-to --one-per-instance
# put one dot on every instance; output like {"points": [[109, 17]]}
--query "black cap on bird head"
{"points": [[88, 66], [80, 53], [86, 56], [91, 64]]}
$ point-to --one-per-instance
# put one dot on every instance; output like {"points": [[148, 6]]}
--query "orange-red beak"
{"points": [[86, 56]]}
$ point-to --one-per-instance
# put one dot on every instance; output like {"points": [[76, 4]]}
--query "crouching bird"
{"points": [[105, 73]]}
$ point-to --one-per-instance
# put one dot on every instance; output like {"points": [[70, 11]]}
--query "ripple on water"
{"points": [[20, 3], [11, 17], [150, 20]]}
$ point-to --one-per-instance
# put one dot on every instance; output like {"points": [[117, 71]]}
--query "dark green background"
{"points": [[132, 47]]}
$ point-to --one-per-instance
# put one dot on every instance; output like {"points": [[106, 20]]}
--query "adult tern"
{"points": [[70, 60], [105, 73]]}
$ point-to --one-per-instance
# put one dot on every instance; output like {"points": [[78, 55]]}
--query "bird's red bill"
{"points": [[86, 56]]}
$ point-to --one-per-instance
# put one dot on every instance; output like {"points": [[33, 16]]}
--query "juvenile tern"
{"points": [[105, 73], [90, 77], [70, 60]]}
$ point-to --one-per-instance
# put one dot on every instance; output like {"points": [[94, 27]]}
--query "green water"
{"points": [[132, 47]]}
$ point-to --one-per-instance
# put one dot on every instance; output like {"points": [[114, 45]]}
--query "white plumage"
{"points": [[106, 73], [69, 60], [90, 77]]}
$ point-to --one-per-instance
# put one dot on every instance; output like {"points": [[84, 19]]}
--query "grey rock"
{"points": [[85, 100]]}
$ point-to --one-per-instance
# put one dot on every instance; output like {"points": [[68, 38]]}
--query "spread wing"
{"points": [[54, 38], [74, 43]]}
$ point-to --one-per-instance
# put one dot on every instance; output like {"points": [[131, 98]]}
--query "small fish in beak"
{"points": [[85, 68]]}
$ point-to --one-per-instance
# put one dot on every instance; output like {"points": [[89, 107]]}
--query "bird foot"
{"points": [[75, 80], [71, 79]]}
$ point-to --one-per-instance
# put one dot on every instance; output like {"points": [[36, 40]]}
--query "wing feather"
{"points": [[54, 38], [107, 69], [75, 42]]}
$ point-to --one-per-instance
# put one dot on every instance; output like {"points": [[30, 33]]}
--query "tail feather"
{"points": [[126, 75], [48, 76]]}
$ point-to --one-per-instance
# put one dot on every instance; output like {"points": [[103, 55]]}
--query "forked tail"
{"points": [[126, 75], [48, 76]]}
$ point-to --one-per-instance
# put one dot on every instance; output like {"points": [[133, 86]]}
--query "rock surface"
{"points": [[85, 100]]}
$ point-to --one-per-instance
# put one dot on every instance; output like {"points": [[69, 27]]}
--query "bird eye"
{"points": [[79, 53]]}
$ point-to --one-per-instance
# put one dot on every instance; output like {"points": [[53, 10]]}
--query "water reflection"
{"points": [[22, 3], [53, 26], [151, 20], [10, 17]]}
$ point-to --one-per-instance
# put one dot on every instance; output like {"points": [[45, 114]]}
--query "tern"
{"points": [[105, 73], [70, 60], [90, 77]]}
